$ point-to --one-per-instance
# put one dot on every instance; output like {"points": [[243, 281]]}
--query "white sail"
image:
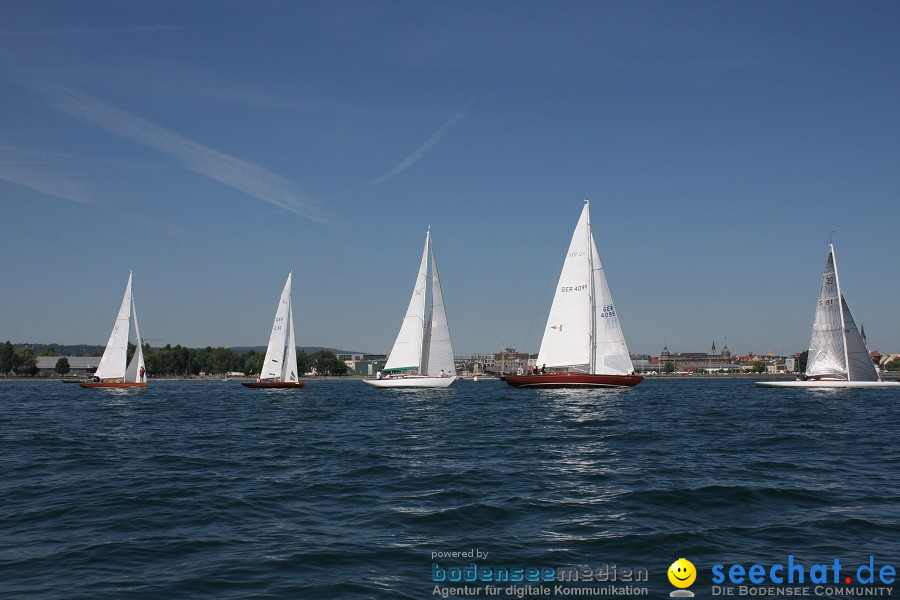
{"points": [[583, 330], [133, 372], [567, 337], [826, 347], [859, 362], [112, 363], [438, 353], [406, 355], [290, 362], [836, 349], [275, 363], [610, 352]]}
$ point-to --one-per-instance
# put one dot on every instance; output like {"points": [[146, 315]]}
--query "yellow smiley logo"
{"points": [[682, 573]]}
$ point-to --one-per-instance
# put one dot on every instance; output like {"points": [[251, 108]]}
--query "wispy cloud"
{"points": [[41, 171], [236, 173], [423, 149]]}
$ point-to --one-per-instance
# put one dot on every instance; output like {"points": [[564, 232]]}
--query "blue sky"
{"points": [[214, 146]]}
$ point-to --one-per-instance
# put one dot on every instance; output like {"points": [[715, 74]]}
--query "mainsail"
{"points": [[438, 353], [133, 372], [583, 331], [836, 349]]}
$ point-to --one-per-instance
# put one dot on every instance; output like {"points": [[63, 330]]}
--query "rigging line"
{"points": [[566, 241]]}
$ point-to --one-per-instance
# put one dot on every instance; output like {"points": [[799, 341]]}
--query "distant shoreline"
{"points": [[892, 374]]}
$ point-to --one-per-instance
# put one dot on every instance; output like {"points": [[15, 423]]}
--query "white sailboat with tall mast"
{"points": [[279, 368], [583, 343], [838, 357], [114, 371], [422, 356]]}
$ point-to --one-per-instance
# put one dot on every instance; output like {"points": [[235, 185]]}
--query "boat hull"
{"points": [[829, 384], [411, 382], [110, 384], [572, 380], [274, 384]]}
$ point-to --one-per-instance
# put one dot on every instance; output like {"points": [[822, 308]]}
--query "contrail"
{"points": [[234, 172], [38, 171], [423, 149]]}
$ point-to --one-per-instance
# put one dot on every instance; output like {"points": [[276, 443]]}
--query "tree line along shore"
{"points": [[176, 361]]}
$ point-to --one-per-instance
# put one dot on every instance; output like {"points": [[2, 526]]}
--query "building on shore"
{"points": [[78, 365], [699, 362], [366, 365]]}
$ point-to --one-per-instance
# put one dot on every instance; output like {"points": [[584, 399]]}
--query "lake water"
{"points": [[339, 490]]}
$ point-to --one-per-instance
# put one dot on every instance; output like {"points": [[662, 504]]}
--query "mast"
{"points": [[592, 300], [840, 295], [425, 326]]}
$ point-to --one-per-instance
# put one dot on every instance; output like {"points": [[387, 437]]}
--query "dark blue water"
{"points": [[338, 490]]}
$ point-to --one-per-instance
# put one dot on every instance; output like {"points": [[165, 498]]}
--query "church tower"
{"points": [[726, 353]]}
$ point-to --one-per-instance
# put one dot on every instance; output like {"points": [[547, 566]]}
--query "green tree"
{"points": [[222, 360], [253, 361], [26, 362], [326, 362], [62, 366], [758, 367], [7, 358], [668, 367], [48, 351], [893, 365], [181, 359], [303, 364], [801, 361], [203, 360]]}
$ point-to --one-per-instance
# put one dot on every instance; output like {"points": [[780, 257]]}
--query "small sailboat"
{"points": [[422, 356], [279, 368], [583, 343], [838, 357], [112, 371]]}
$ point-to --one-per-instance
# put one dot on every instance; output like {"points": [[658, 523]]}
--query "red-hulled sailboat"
{"points": [[112, 371], [279, 369], [583, 344]]}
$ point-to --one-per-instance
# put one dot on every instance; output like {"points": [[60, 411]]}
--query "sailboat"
{"points": [[838, 357], [583, 343], [422, 356], [279, 369], [112, 371]]}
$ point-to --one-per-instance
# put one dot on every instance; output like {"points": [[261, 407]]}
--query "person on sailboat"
{"points": [[142, 374], [378, 375]]}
